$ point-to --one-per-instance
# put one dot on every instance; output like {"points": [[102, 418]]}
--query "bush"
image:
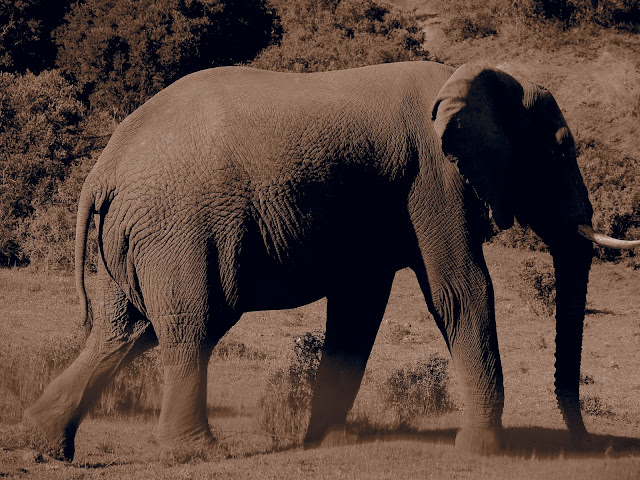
{"points": [[522, 238], [538, 286], [228, 350], [25, 36], [323, 35], [419, 389], [137, 389], [607, 13], [614, 187], [286, 402], [595, 407], [472, 26], [474, 19], [48, 237], [40, 138], [25, 372]]}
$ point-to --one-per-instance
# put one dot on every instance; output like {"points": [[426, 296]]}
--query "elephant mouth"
{"points": [[606, 241]]}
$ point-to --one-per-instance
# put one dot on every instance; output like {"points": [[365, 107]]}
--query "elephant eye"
{"points": [[564, 144]]}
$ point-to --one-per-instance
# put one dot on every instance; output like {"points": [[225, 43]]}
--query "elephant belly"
{"points": [[266, 284], [270, 294]]}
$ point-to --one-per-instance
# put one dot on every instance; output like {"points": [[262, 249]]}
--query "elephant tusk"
{"points": [[588, 232]]}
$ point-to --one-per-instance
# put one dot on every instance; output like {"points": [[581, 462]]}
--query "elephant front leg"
{"points": [[479, 370], [354, 313], [463, 307]]}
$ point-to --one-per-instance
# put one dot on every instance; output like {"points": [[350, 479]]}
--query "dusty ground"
{"points": [[537, 445]]}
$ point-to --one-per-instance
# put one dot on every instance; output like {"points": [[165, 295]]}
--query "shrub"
{"points": [[472, 26], [335, 34], [614, 187], [24, 374], [595, 407], [607, 13], [538, 286], [228, 350], [137, 389], [419, 389], [48, 236], [522, 238], [286, 402], [40, 137], [473, 19]]}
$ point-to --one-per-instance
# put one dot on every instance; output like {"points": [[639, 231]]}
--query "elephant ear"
{"points": [[476, 115]]}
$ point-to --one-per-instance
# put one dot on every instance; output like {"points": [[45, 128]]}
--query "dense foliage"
{"points": [[25, 34], [335, 34], [111, 55], [121, 52], [41, 136]]}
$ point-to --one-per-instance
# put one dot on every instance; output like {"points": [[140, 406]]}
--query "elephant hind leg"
{"points": [[354, 313], [183, 416], [186, 349], [119, 335]]}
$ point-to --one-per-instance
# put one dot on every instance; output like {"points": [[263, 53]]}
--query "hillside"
{"points": [[593, 72]]}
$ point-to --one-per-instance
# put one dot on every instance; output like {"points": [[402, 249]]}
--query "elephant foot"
{"points": [[333, 437], [480, 440], [189, 448], [580, 439], [50, 438]]}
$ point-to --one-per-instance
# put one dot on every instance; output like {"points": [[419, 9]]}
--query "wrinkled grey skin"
{"points": [[236, 190]]}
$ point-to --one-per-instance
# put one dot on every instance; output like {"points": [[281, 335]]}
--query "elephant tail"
{"points": [[86, 209]]}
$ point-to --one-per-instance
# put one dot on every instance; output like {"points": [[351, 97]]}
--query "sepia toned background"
{"points": [[71, 71]]}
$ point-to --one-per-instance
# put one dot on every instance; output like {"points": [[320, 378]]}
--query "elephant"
{"points": [[237, 189]]}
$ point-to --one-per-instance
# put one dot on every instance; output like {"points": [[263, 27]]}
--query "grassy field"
{"points": [[38, 310]]}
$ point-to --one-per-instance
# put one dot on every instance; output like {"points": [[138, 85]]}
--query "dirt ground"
{"points": [[536, 446]]}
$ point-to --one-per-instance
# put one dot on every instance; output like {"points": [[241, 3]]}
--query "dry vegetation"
{"points": [[594, 73]]}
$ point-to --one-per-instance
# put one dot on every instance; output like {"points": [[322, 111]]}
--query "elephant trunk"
{"points": [[572, 263]]}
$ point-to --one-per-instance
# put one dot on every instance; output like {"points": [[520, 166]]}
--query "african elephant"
{"points": [[237, 189]]}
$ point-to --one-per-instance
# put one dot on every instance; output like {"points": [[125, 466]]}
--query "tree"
{"points": [[121, 52], [40, 125], [25, 34]]}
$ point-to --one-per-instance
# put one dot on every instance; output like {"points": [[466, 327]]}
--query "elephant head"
{"points": [[511, 142]]}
